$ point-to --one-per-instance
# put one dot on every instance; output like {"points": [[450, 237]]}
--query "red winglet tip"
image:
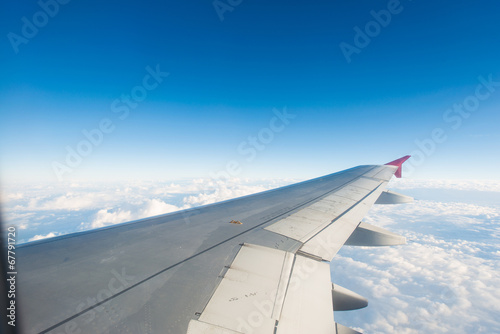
{"points": [[399, 164]]}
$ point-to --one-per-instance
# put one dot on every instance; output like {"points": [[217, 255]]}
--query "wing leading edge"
{"points": [[194, 272]]}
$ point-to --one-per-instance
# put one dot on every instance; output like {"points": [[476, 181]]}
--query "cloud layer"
{"points": [[53, 210], [444, 280]]}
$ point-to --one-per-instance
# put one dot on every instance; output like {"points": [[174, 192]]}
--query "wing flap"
{"points": [[255, 282], [328, 242], [272, 291], [374, 171], [308, 304], [305, 223], [199, 327]]}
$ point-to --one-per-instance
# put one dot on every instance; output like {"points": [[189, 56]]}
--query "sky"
{"points": [[163, 90]]}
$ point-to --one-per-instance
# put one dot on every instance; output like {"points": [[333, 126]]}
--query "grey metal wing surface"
{"points": [[255, 264]]}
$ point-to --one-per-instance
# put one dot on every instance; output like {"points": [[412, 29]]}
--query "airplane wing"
{"points": [[255, 264]]}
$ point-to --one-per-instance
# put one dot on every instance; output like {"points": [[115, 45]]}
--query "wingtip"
{"points": [[399, 163]]}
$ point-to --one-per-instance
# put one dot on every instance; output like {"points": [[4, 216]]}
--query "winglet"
{"points": [[399, 163]]}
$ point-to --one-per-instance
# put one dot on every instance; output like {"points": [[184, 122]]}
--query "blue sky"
{"points": [[227, 76]]}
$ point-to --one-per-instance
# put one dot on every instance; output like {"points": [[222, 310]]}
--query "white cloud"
{"points": [[70, 201], [157, 207], [104, 217], [40, 237], [477, 185], [15, 196], [136, 201], [222, 191], [147, 208], [444, 280]]}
